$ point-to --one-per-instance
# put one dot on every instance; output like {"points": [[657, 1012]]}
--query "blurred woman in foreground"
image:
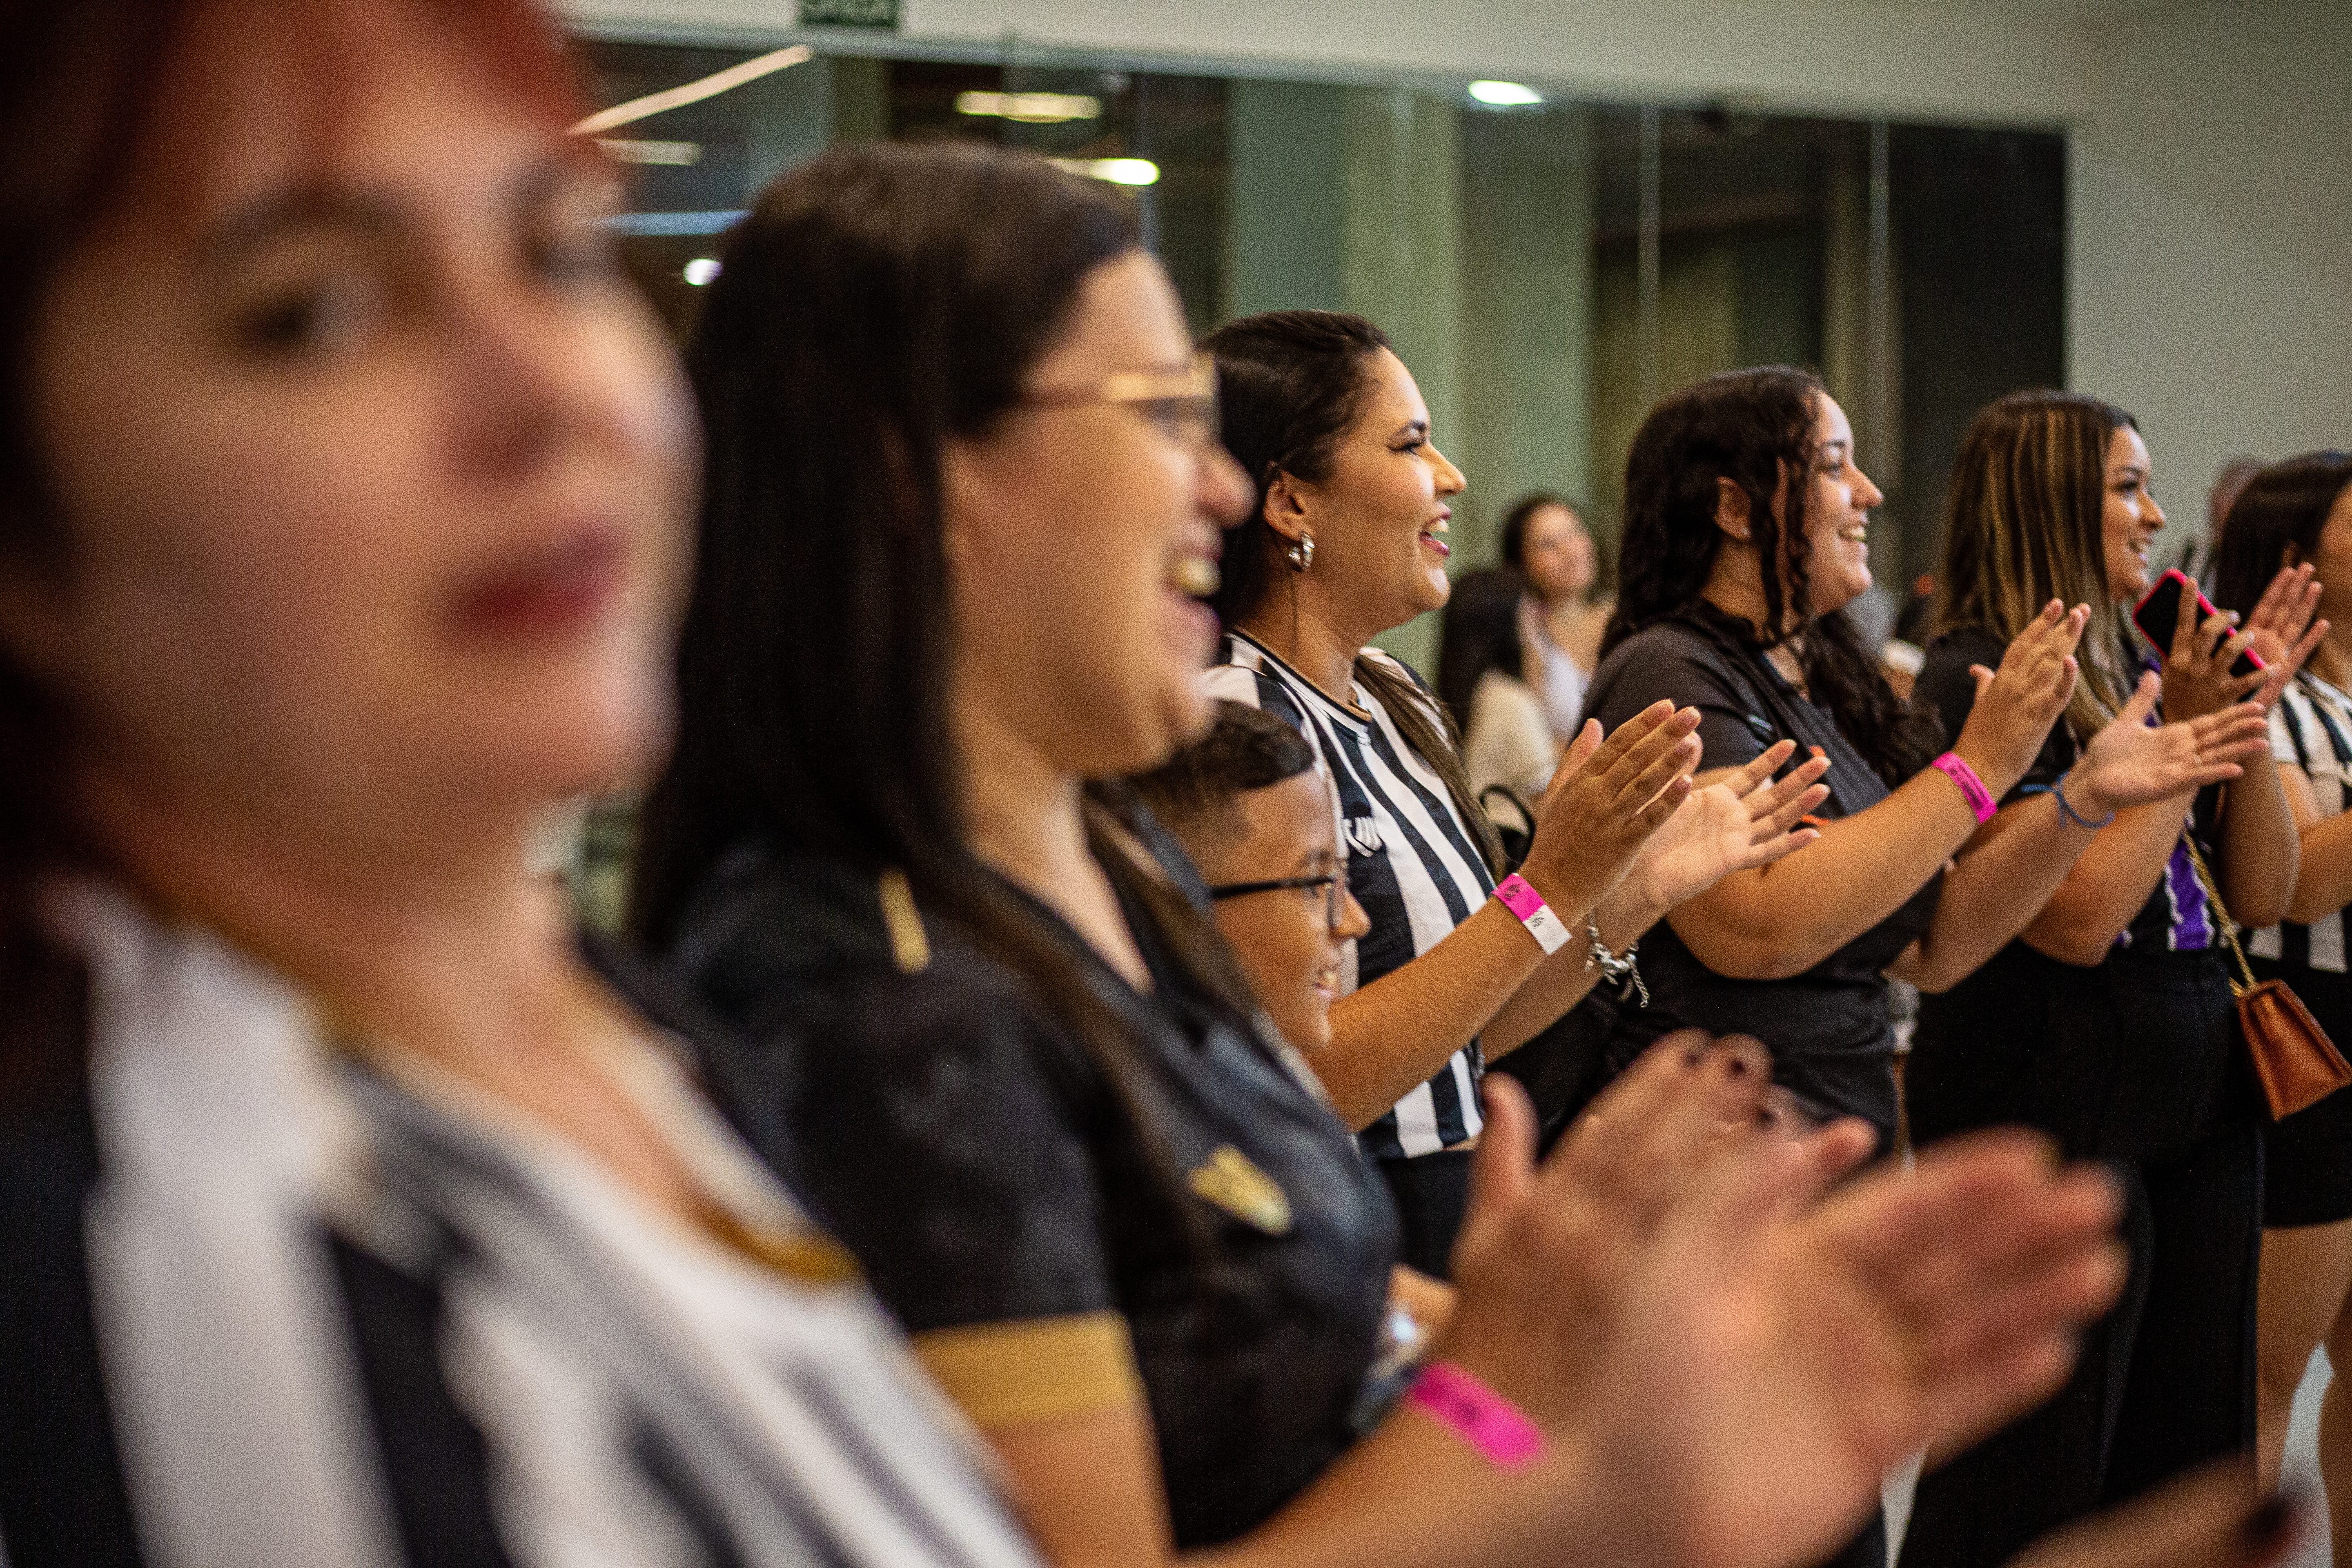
{"points": [[353, 1214]]}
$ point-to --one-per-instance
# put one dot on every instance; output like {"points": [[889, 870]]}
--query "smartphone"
{"points": [[2159, 613]]}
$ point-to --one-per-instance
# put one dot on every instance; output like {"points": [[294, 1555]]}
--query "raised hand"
{"points": [[2132, 763], [1606, 801], [1545, 1254], [1769, 1361], [1744, 820], [2283, 630], [2017, 703], [2196, 678]]}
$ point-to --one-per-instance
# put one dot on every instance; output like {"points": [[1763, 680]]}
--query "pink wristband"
{"points": [[1492, 1424], [1527, 904], [1972, 787]]}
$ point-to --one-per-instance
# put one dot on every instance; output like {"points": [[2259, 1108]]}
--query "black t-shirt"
{"points": [[2129, 1056], [1832, 1041], [986, 1170]]}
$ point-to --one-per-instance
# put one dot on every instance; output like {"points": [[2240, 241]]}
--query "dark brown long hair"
{"points": [[80, 102], [877, 303], [1290, 384], [1754, 427], [2276, 522]]}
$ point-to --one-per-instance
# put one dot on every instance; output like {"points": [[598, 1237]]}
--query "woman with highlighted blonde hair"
{"points": [[2108, 1022]]}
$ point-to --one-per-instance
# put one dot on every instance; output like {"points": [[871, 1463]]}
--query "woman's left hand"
{"points": [[1742, 821], [2282, 631], [2132, 763]]}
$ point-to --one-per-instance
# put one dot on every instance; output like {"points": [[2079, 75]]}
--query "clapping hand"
{"points": [[2283, 630], [1744, 820], [1545, 1253], [1604, 802], [2016, 704], [1773, 1352], [2132, 763]]}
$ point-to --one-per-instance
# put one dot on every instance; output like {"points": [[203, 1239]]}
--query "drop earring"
{"points": [[1301, 553]]}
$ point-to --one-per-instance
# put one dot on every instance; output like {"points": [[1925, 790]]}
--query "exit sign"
{"points": [[881, 14]]}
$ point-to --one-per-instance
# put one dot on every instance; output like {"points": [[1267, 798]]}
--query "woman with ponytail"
{"points": [[1343, 540]]}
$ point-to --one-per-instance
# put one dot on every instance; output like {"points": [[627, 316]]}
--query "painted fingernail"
{"points": [[1738, 1068], [1692, 1058]]}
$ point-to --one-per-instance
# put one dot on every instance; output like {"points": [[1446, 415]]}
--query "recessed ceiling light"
{"points": [[676, 154], [1118, 171], [1031, 107], [1505, 94]]}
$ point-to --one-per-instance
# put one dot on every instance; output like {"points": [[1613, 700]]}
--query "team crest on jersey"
{"points": [[1363, 836], [1227, 1179]]}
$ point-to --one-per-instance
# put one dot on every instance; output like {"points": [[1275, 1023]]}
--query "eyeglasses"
{"points": [[1327, 884], [1183, 402]]}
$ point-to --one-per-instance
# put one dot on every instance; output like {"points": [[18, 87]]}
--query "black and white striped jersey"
{"points": [[2311, 729], [1411, 862], [278, 1308]]}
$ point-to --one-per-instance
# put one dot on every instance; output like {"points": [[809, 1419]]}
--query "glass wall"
{"points": [[1547, 267]]}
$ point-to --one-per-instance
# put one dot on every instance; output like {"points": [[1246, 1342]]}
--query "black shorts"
{"points": [[2307, 1158]]}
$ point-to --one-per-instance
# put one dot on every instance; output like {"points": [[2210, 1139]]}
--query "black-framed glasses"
{"points": [[1328, 883], [1181, 402]]}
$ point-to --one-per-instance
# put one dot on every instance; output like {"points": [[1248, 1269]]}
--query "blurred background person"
{"points": [[1546, 541], [2109, 1022], [1484, 658], [2201, 553], [2295, 514]]}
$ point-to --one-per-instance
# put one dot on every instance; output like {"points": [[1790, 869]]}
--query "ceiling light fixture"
{"points": [[695, 91], [1505, 94], [1031, 107], [674, 154], [702, 270], [1117, 171]]}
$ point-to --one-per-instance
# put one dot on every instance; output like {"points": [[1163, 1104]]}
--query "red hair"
{"points": [[91, 93]]}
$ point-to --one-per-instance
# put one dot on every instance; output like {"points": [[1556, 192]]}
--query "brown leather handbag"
{"points": [[2298, 1064]]}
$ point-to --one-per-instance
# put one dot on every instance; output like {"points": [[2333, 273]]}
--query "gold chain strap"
{"points": [[2221, 912]]}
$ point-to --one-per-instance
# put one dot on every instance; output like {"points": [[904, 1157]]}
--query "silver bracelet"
{"points": [[1615, 970]]}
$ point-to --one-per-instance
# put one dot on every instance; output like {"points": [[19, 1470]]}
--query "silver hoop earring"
{"points": [[1301, 553]]}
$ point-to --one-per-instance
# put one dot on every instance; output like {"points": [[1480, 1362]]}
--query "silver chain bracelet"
{"points": [[1622, 972]]}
